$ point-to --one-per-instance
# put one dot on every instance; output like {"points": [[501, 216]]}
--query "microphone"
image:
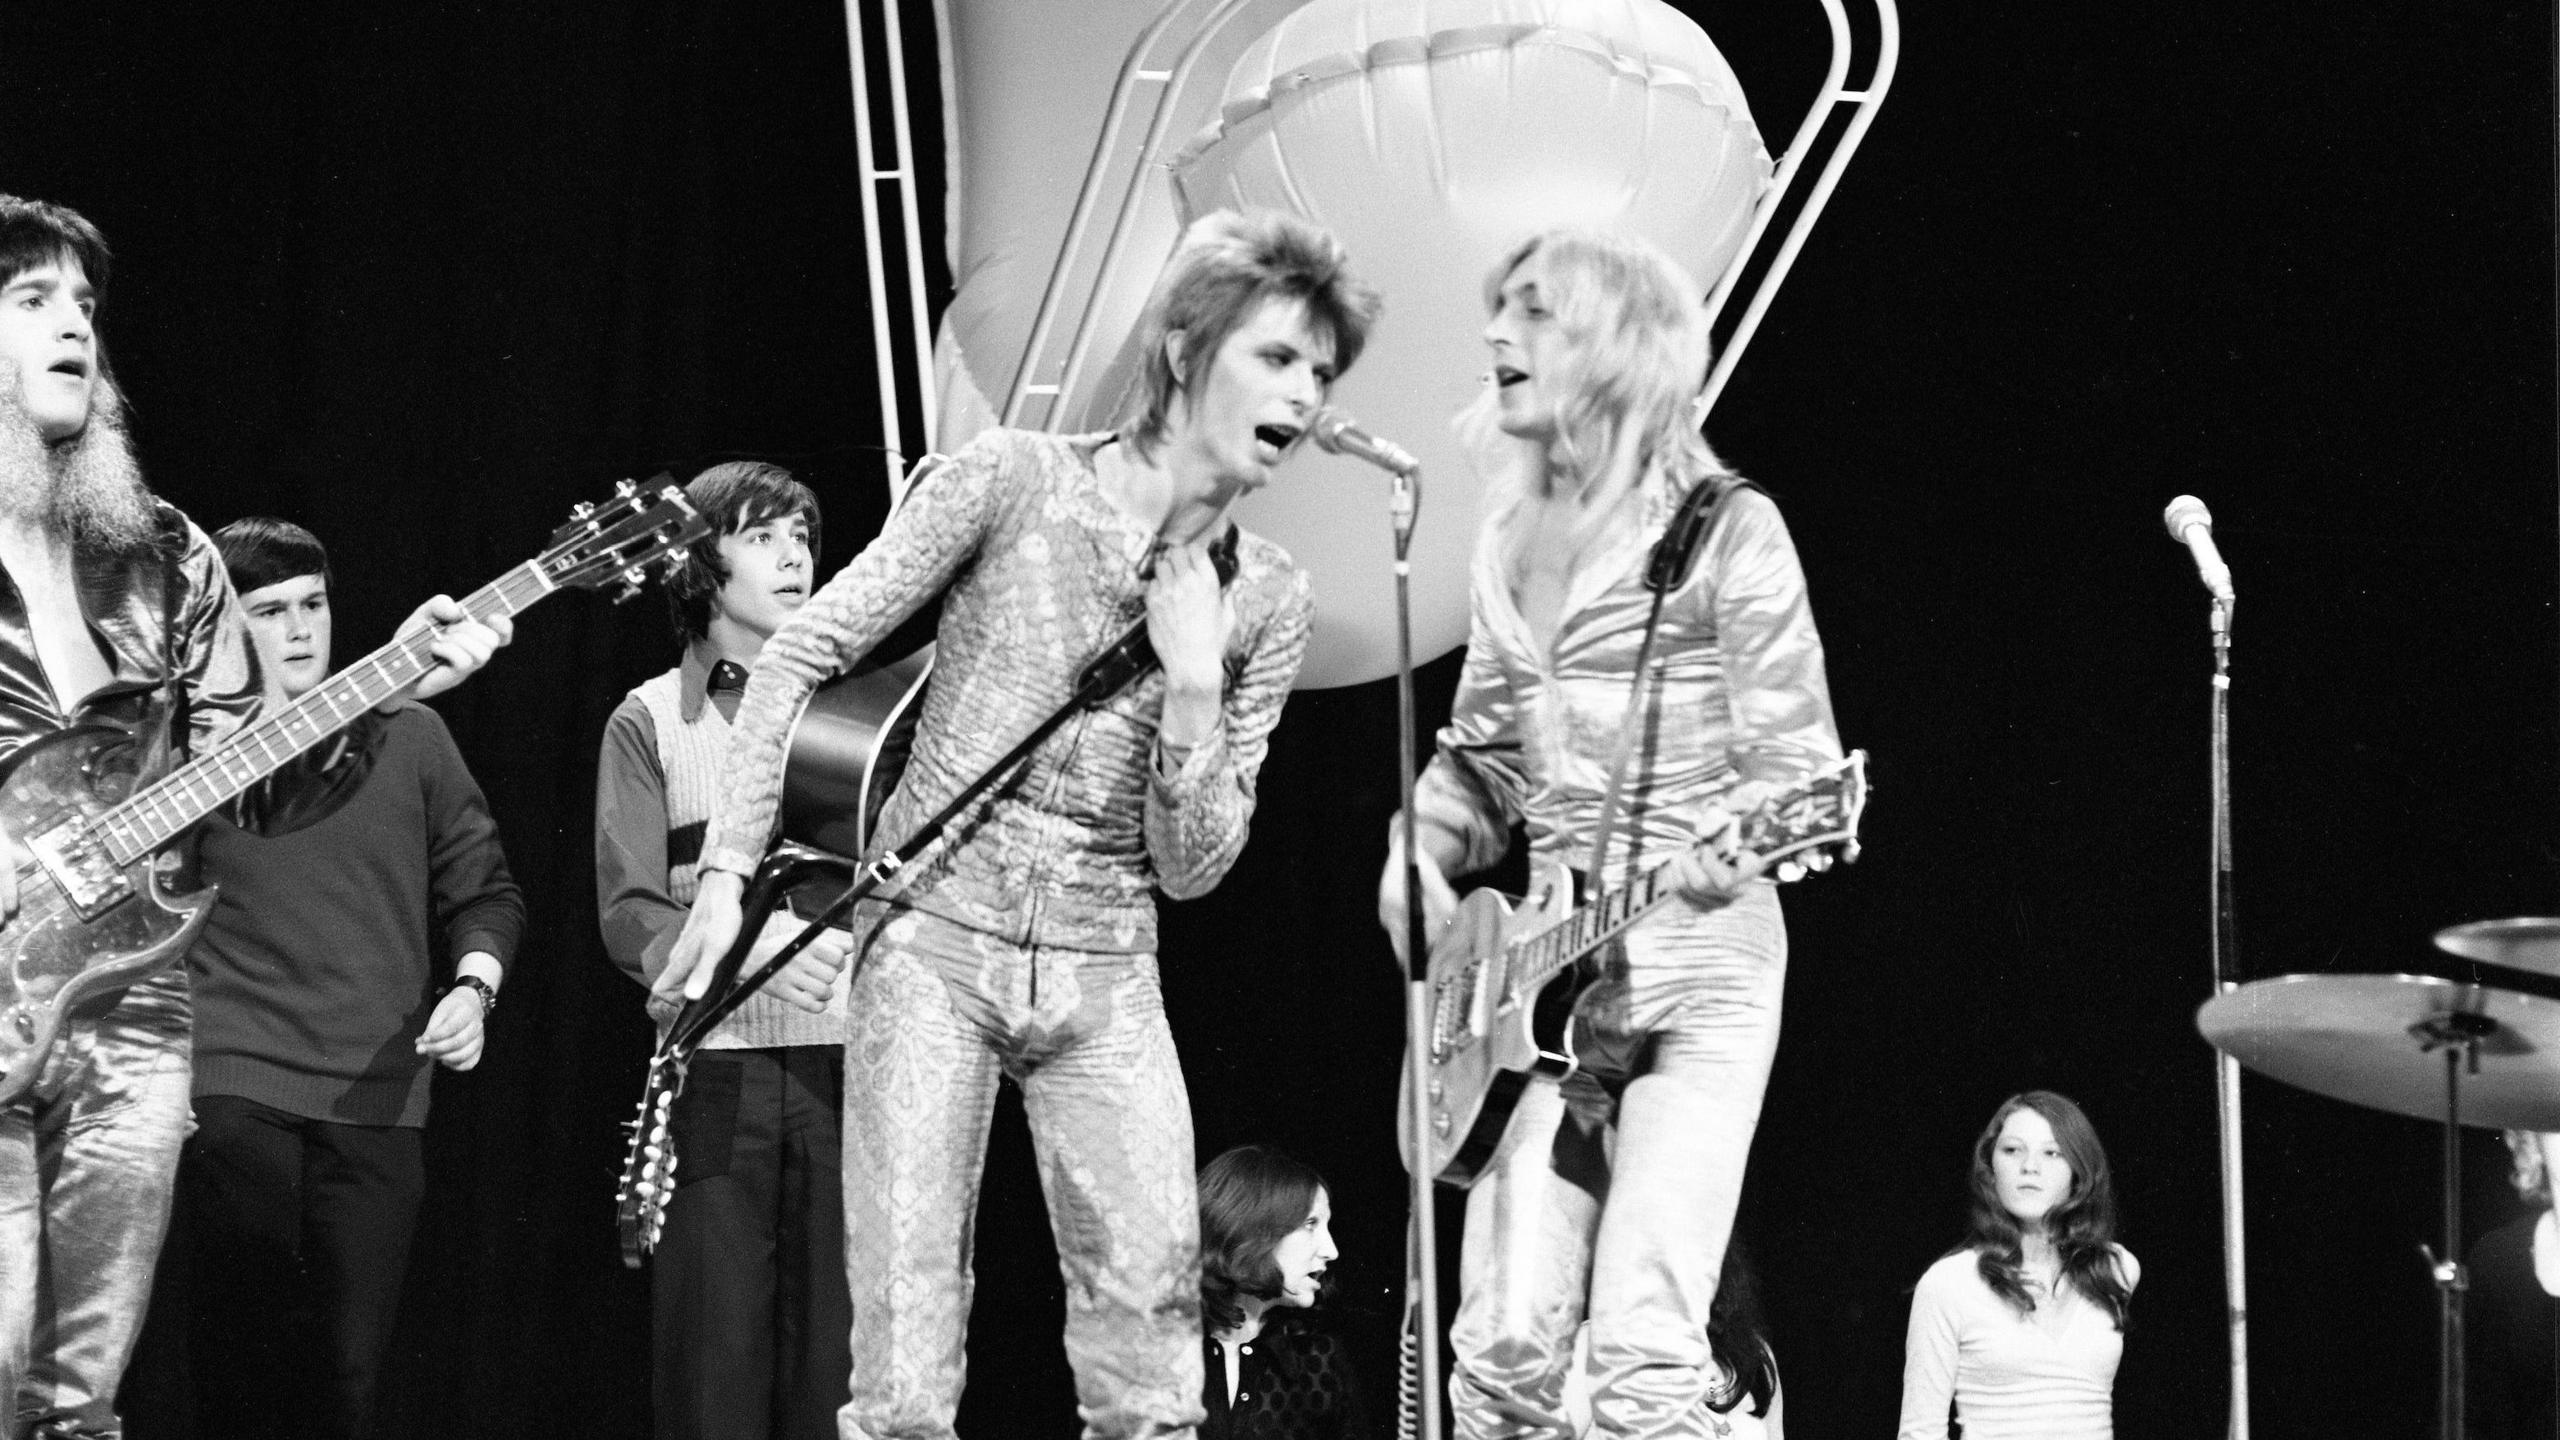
{"points": [[1338, 433], [2190, 522]]}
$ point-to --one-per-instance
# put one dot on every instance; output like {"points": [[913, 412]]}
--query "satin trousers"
{"points": [[939, 1013], [1612, 1193], [88, 1160]]}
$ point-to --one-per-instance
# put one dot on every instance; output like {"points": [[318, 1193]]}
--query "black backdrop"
{"points": [[421, 276]]}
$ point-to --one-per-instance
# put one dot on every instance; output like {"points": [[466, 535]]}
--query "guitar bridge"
{"points": [[79, 863]]}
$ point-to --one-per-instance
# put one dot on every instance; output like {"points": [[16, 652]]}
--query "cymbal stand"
{"points": [[2458, 1034]]}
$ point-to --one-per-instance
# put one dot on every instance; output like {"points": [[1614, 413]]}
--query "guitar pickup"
{"points": [[89, 877]]}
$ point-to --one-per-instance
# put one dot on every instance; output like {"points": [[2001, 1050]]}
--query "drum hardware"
{"points": [[2418, 1045]]}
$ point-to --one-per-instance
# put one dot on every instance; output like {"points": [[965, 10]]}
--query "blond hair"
{"points": [[1638, 327]]}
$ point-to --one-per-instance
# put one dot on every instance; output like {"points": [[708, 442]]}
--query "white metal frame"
{"points": [[917, 359]]}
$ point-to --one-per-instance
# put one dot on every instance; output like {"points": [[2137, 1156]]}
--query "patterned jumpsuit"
{"points": [[1023, 943]]}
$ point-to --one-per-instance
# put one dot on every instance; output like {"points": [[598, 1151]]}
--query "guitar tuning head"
{"points": [[625, 489], [1790, 871], [584, 509]]}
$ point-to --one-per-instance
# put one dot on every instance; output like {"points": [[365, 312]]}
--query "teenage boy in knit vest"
{"points": [[749, 1287], [320, 1015]]}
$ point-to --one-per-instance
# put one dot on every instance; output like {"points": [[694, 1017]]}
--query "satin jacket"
{"points": [[125, 602], [1741, 705], [1044, 573]]}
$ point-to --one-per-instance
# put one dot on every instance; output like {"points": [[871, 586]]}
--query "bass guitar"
{"points": [[93, 917], [1502, 982]]}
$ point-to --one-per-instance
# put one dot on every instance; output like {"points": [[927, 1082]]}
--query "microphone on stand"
{"points": [[1334, 431], [2192, 524]]}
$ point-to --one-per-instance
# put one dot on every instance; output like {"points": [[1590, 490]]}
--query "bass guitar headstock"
{"points": [[612, 545]]}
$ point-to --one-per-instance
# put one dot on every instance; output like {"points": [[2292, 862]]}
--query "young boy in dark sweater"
{"points": [[752, 1317], [320, 1015]]}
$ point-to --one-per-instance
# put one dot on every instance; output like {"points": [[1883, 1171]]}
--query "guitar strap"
{"points": [[162, 749], [1128, 658], [1666, 570]]}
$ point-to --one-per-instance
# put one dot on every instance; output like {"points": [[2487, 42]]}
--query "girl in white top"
{"points": [[2023, 1324]]}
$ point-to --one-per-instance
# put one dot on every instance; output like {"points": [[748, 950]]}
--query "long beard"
{"points": [[87, 490]]}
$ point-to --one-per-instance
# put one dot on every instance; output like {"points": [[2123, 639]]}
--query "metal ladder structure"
{"points": [[901, 356]]}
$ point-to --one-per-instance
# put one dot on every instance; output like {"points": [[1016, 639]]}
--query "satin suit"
{"points": [[1613, 1192]]}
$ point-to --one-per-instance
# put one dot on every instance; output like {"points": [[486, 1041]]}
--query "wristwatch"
{"points": [[488, 992]]}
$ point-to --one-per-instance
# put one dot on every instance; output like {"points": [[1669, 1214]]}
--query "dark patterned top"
{"points": [[1297, 1384]]}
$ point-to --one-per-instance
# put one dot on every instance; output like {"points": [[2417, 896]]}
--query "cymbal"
{"points": [[2527, 943], [2363, 1039]]}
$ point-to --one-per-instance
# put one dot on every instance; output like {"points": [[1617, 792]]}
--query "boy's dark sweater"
{"points": [[312, 979]]}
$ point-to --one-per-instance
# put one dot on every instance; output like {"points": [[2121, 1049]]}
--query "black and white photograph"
{"points": [[1279, 720]]}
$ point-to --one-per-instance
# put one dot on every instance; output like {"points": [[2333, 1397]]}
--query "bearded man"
{"points": [[110, 602]]}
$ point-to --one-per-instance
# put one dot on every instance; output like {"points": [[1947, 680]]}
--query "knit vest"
{"points": [[691, 755]]}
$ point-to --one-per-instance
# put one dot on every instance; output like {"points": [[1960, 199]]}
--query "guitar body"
{"points": [[62, 951], [1486, 1041], [848, 750], [1502, 983]]}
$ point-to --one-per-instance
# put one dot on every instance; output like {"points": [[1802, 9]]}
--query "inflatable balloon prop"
{"points": [[1430, 135], [1055, 120]]}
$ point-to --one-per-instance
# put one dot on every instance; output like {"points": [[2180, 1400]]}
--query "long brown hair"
{"points": [[1638, 325], [2082, 1227]]}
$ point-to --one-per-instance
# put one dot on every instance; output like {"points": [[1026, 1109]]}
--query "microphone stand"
{"points": [[2226, 978], [1423, 1239]]}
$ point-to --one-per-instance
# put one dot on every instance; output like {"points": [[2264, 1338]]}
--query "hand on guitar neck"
{"points": [[1700, 876], [462, 645]]}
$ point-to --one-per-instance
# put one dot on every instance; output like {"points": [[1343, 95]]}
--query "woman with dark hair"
{"points": [[2022, 1325], [1266, 1239]]}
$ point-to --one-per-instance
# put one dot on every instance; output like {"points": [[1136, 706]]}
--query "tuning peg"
{"points": [[582, 510], [625, 489], [1790, 871]]}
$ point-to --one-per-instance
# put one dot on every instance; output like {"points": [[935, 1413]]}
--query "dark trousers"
{"points": [[278, 1292], [752, 1316]]}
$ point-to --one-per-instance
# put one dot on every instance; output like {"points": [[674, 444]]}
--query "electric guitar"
{"points": [[92, 916], [1502, 983]]}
